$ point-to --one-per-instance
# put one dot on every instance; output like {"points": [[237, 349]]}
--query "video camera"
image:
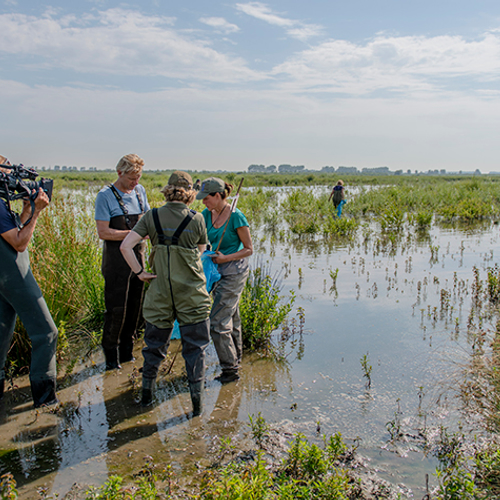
{"points": [[19, 183]]}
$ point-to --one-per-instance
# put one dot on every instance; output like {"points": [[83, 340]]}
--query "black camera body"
{"points": [[20, 182]]}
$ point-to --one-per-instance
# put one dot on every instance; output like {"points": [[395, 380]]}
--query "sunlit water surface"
{"points": [[386, 305]]}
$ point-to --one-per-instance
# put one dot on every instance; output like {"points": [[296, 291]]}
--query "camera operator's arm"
{"points": [[18, 239], [107, 233]]}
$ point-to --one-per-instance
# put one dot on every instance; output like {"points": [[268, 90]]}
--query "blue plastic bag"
{"points": [[210, 268], [211, 273]]}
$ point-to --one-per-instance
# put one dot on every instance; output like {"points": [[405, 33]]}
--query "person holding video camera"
{"points": [[118, 208], [21, 296]]}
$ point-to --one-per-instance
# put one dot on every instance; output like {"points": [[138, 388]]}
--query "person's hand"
{"points": [[218, 258], [41, 200], [146, 277]]}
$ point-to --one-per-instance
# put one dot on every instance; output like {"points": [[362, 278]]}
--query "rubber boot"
{"points": [[147, 391], [197, 390], [43, 392], [111, 356], [228, 376]]}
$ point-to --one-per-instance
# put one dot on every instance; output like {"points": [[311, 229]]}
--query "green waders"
{"points": [[179, 292], [20, 295]]}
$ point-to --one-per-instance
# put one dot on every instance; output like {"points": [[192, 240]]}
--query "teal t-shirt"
{"points": [[231, 243]]}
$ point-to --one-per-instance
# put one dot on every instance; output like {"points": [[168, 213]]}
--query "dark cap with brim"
{"points": [[209, 186], [180, 179]]}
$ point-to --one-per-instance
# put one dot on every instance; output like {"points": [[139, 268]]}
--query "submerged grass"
{"points": [[262, 310]]}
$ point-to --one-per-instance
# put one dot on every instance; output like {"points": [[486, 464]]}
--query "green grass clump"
{"points": [[262, 310], [307, 471], [339, 227], [65, 258]]}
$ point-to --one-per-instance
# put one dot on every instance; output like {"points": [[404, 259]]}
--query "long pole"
{"points": [[232, 208]]}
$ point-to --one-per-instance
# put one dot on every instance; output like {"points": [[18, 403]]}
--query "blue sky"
{"points": [[221, 85]]}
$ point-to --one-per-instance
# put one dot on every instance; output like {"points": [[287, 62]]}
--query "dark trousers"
{"points": [[122, 293], [194, 338]]}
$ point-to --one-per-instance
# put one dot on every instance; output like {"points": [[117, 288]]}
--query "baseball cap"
{"points": [[180, 179], [209, 186]]}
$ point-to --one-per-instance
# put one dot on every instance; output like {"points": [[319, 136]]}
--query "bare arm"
{"points": [[246, 251], [202, 248], [107, 233], [127, 250], [18, 239]]}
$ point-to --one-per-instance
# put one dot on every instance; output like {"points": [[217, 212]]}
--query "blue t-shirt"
{"points": [[231, 242], [107, 206], [6, 220]]}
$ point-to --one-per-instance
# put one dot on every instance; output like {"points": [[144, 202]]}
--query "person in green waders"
{"points": [[338, 197], [20, 295], [178, 286]]}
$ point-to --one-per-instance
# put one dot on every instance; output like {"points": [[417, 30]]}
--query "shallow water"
{"points": [[382, 306]]}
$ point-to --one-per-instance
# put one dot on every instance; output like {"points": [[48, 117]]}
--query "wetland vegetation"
{"points": [[444, 227]]}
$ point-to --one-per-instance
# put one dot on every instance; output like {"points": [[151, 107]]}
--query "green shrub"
{"points": [[261, 310]]}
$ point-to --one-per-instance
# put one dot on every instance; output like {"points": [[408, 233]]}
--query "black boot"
{"points": [[2, 387], [43, 392], [228, 376], [126, 352], [147, 391], [197, 389], [111, 356]]}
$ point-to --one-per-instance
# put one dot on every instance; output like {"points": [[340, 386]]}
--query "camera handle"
{"points": [[32, 204]]}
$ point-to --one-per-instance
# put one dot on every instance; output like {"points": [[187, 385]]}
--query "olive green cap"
{"points": [[180, 179], [209, 186]]}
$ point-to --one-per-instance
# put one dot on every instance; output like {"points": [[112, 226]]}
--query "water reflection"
{"points": [[393, 299]]}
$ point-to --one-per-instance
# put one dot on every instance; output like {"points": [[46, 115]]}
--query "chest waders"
{"points": [[123, 292], [179, 292], [21, 296]]}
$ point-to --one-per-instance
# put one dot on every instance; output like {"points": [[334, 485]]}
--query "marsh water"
{"points": [[386, 303]]}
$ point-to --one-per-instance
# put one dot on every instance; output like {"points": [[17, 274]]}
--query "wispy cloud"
{"points": [[220, 24], [121, 42], [294, 28], [391, 63]]}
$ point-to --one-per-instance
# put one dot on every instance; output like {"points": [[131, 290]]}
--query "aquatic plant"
{"points": [[259, 428], [367, 369], [339, 226], [262, 310], [307, 471]]}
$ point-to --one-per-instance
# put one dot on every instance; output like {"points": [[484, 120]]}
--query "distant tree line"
{"points": [[342, 170]]}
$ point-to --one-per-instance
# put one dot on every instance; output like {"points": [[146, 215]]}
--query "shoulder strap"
{"points": [[174, 240], [139, 199], [182, 226], [159, 230], [122, 205]]}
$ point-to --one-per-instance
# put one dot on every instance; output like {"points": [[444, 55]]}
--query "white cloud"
{"points": [[221, 25], [293, 28], [394, 63], [120, 42], [197, 129]]}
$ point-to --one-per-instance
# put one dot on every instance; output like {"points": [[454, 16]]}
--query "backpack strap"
{"points": [[174, 240]]}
